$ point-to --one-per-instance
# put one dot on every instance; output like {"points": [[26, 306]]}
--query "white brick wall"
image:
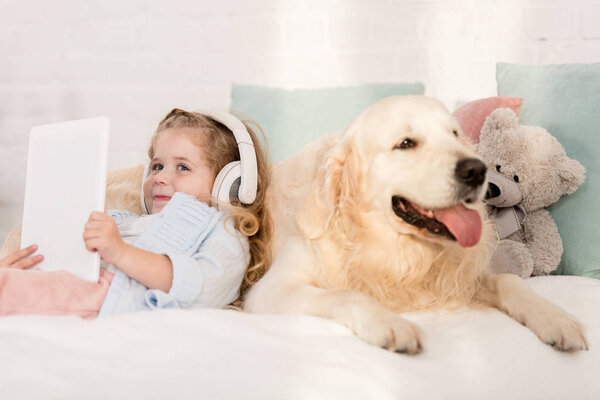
{"points": [[133, 60]]}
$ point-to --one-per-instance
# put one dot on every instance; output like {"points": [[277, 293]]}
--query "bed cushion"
{"points": [[293, 118], [218, 354], [565, 99]]}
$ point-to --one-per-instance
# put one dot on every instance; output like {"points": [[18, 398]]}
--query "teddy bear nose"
{"points": [[492, 192], [470, 171]]}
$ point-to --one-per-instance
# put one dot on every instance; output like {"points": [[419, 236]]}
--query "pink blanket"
{"points": [[51, 293]]}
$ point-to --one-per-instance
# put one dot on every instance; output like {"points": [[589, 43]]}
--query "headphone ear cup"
{"points": [[227, 183], [234, 190]]}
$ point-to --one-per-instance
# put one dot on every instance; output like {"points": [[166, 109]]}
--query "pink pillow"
{"points": [[471, 116]]}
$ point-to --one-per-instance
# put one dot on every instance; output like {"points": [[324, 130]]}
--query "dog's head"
{"points": [[405, 161]]}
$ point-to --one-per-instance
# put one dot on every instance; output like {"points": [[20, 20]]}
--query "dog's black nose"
{"points": [[470, 171], [493, 191]]}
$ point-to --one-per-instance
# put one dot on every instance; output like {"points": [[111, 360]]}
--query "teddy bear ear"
{"points": [[499, 120], [572, 174]]}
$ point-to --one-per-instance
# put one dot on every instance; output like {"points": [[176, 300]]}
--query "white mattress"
{"points": [[218, 354]]}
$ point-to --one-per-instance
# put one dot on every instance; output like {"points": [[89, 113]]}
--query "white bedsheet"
{"points": [[218, 354]]}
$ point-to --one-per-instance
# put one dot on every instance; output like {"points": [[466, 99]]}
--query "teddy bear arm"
{"points": [[512, 257], [543, 241]]}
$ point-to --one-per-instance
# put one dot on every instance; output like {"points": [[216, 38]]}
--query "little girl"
{"points": [[186, 253]]}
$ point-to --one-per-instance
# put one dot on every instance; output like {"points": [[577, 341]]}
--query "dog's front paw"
{"points": [[390, 331], [558, 329]]}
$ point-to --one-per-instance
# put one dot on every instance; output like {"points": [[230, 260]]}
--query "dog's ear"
{"points": [[332, 193]]}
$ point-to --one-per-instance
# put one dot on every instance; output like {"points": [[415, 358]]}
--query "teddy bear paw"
{"points": [[512, 257]]}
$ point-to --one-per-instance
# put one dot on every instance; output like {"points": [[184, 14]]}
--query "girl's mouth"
{"points": [[162, 198]]}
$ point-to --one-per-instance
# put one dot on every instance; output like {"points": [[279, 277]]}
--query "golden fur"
{"points": [[340, 252], [123, 189], [355, 248]]}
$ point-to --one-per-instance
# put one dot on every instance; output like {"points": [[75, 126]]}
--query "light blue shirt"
{"points": [[209, 258]]}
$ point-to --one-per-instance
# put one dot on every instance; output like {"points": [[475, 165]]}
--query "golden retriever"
{"points": [[385, 217]]}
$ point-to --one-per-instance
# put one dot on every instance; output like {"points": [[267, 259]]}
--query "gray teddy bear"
{"points": [[528, 170]]}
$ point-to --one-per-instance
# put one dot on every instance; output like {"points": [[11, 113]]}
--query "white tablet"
{"points": [[66, 181]]}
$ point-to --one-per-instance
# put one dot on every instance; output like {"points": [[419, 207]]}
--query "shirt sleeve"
{"points": [[209, 261], [213, 276], [120, 215]]}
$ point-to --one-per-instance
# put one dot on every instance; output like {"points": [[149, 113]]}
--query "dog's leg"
{"points": [[550, 323], [363, 315], [286, 290]]}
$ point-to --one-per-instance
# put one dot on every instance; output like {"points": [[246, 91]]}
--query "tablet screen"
{"points": [[66, 181]]}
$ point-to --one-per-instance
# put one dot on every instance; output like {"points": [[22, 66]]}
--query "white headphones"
{"points": [[237, 180]]}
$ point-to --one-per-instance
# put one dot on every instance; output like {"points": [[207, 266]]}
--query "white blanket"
{"points": [[217, 354]]}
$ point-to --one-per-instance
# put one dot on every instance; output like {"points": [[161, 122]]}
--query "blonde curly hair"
{"points": [[253, 220]]}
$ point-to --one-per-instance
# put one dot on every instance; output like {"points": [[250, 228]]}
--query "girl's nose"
{"points": [[161, 177]]}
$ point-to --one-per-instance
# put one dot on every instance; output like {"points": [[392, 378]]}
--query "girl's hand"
{"points": [[20, 258], [102, 235]]}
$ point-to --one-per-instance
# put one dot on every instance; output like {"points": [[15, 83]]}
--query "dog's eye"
{"points": [[406, 144], [516, 178], [498, 168], [455, 132]]}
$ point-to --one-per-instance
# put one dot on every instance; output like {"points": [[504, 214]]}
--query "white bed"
{"points": [[219, 354]]}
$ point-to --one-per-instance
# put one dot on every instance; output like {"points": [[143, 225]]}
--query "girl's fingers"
{"points": [[90, 246], [19, 254], [91, 234], [87, 237], [28, 262], [96, 224], [97, 216], [92, 243]]}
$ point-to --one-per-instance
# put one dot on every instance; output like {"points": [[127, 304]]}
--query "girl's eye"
{"points": [[157, 167], [516, 178], [182, 167], [405, 144], [498, 168]]}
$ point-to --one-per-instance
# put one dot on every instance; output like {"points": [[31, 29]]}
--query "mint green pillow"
{"points": [[565, 100], [293, 118]]}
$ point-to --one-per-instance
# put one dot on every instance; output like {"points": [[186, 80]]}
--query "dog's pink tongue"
{"points": [[463, 223]]}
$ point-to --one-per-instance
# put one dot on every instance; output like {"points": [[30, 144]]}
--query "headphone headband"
{"points": [[249, 170]]}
